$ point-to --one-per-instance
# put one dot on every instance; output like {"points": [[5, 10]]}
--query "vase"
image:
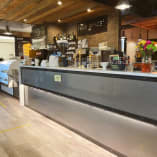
{"points": [[147, 64], [146, 67]]}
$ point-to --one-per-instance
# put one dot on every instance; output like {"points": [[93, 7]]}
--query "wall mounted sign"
{"points": [[93, 26], [38, 31], [26, 49]]}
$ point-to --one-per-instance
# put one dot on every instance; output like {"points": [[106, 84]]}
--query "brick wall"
{"points": [[53, 30], [112, 35]]}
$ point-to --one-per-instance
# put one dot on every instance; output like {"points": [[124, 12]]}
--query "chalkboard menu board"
{"points": [[93, 26], [38, 31], [39, 37]]}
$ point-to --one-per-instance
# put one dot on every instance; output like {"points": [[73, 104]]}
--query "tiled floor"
{"points": [[25, 133]]}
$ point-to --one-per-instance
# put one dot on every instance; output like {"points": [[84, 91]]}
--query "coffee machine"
{"points": [[42, 55]]}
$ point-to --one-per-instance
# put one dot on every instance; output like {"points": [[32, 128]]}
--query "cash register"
{"points": [[118, 61]]}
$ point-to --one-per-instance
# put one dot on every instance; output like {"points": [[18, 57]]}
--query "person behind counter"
{"points": [[1, 59]]}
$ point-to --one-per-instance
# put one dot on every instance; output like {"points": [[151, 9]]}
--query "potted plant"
{"points": [[147, 48]]}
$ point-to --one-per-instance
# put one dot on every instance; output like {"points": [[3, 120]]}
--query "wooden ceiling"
{"points": [[47, 11], [146, 23]]}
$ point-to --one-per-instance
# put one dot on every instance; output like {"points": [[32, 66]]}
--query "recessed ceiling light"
{"points": [[59, 20], [89, 10], [123, 5], [59, 2], [25, 20]]}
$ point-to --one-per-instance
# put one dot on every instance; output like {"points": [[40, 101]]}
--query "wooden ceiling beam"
{"points": [[72, 10], [140, 26], [4, 4], [12, 5], [41, 6], [19, 8], [85, 15], [38, 11], [147, 27], [51, 11], [146, 23], [60, 14], [22, 12]]}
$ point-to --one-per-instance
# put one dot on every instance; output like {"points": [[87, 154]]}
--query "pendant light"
{"points": [[123, 5], [123, 34], [147, 34], [140, 35], [7, 32], [59, 2]]}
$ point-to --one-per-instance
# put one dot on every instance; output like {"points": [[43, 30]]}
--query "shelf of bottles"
{"points": [[67, 42]]}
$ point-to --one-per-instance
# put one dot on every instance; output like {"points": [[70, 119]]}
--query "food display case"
{"points": [[6, 68]]}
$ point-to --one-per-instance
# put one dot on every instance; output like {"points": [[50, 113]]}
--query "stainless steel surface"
{"points": [[132, 96], [128, 136]]}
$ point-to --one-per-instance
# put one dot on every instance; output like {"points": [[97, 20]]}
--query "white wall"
{"points": [[7, 47], [16, 26]]}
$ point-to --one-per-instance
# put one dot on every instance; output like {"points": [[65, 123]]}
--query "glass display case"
{"points": [[4, 77]]}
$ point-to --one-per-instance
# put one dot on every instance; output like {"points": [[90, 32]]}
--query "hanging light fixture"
{"points": [[7, 32], [123, 5], [59, 2], [147, 34], [140, 35], [59, 20], [89, 10]]}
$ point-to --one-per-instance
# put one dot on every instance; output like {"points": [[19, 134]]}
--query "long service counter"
{"points": [[127, 92], [77, 98]]}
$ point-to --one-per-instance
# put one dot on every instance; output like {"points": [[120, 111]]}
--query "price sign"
{"points": [[57, 78]]}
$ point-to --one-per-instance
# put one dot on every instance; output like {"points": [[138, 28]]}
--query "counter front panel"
{"points": [[130, 96]]}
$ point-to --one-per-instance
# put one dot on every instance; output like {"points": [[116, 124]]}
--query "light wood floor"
{"points": [[25, 133]]}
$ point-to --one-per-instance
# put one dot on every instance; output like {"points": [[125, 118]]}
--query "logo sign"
{"points": [[57, 78]]}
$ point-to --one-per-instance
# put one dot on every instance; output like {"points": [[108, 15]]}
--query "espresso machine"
{"points": [[62, 45], [41, 55]]}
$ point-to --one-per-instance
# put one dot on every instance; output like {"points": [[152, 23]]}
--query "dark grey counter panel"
{"points": [[105, 128], [133, 96]]}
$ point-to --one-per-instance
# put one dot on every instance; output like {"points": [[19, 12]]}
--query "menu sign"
{"points": [[26, 49], [93, 26], [38, 31]]}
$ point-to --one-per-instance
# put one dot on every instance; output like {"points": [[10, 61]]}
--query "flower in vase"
{"points": [[147, 48]]}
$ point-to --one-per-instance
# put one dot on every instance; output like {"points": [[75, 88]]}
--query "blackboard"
{"points": [[38, 31], [93, 26]]}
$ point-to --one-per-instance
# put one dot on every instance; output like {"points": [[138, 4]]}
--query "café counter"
{"points": [[78, 99], [129, 93]]}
